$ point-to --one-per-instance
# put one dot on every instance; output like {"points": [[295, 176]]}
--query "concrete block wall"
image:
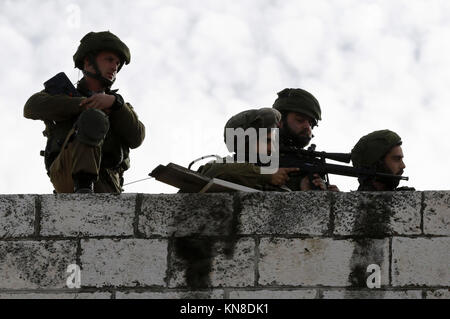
{"points": [[243, 245]]}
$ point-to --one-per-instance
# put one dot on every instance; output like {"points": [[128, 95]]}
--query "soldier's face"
{"points": [[394, 160], [108, 63], [299, 127]]}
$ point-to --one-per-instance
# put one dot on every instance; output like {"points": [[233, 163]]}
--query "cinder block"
{"points": [[17, 215], [35, 264], [87, 215], [206, 263], [377, 214], [94, 295], [274, 294], [321, 262], [285, 213], [182, 215], [214, 294], [123, 263], [372, 294], [436, 216], [438, 294], [420, 261]]}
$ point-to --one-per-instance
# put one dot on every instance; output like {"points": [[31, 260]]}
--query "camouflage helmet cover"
{"points": [[300, 101], [372, 147], [101, 41], [256, 118]]}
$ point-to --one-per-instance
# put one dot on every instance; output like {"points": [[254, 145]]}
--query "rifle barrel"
{"points": [[340, 157], [357, 172], [335, 169]]}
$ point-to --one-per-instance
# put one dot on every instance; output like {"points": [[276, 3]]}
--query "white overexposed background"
{"points": [[371, 64]]}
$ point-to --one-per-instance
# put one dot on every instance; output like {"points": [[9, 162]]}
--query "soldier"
{"points": [[90, 132], [246, 173], [380, 150], [300, 112]]}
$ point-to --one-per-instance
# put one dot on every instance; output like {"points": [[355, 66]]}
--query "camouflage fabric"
{"points": [[373, 147], [300, 101]]}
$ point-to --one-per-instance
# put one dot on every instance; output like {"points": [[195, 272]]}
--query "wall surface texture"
{"points": [[242, 245]]}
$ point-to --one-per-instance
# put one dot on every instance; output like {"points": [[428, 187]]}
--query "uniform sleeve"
{"points": [[43, 106], [125, 123], [245, 174]]}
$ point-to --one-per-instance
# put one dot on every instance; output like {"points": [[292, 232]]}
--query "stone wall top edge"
{"points": [[177, 194]]}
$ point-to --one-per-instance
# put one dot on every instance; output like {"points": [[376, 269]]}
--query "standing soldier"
{"points": [[90, 129], [380, 150], [300, 112]]}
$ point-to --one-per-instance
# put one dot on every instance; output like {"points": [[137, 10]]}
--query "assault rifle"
{"points": [[189, 181], [311, 162]]}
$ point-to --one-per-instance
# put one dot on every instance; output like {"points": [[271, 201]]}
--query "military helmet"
{"points": [[256, 118], [300, 101], [373, 147], [101, 41]]}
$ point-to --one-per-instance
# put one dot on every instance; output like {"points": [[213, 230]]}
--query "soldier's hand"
{"points": [[99, 101], [281, 176], [305, 184]]}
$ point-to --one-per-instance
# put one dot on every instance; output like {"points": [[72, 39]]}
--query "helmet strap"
{"points": [[97, 75]]}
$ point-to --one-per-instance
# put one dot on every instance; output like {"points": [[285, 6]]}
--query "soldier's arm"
{"points": [[43, 106], [245, 174], [125, 123]]}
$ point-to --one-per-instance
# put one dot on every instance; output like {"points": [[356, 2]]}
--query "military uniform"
{"points": [[86, 142], [246, 174], [298, 101], [369, 152]]}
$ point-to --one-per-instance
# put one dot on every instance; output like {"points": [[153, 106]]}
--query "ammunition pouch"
{"points": [[56, 134]]}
